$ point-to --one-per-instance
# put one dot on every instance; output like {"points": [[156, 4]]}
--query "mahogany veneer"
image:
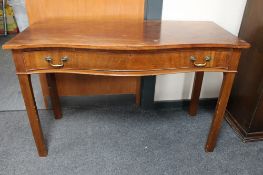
{"points": [[122, 61]]}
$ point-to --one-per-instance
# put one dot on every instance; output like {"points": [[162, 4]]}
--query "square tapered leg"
{"points": [[54, 97], [29, 99], [196, 93], [220, 111]]}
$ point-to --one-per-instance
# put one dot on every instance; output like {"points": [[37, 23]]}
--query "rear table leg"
{"points": [[196, 93], [54, 97]]}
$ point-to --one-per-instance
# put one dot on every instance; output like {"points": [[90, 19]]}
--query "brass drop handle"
{"points": [[206, 58], [49, 59]]}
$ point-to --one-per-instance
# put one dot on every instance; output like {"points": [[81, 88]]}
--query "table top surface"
{"points": [[124, 35]]}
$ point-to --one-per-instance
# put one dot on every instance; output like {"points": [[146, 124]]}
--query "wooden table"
{"points": [[124, 48]]}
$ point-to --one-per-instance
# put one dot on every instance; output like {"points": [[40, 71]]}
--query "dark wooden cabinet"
{"points": [[245, 107]]}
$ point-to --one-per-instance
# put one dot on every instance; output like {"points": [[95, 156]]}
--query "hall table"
{"points": [[124, 48]]}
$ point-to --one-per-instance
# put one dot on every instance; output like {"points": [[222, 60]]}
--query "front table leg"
{"points": [[27, 91], [220, 111]]}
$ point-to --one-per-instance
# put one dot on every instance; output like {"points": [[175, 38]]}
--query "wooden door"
{"points": [[79, 85]]}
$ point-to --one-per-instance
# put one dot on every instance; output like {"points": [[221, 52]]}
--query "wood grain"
{"points": [[222, 103], [128, 73], [54, 97], [126, 61], [27, 91], [196, 93], [43, 10], [220, 111], [129, 35], [89, 85]]}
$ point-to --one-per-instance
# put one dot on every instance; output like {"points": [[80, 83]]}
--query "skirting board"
{"points": [[244, 135], [82, 102], [184, 104]]}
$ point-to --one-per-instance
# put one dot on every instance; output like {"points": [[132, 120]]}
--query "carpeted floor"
{"points": [[122, 139]]}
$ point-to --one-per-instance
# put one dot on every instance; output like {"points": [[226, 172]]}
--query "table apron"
{"points": [[124, 63]]}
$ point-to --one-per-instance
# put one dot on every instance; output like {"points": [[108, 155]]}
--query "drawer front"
{"points": [[124, 61], [50, 59]]}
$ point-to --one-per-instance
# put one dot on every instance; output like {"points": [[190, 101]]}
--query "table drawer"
{"points": [[49, 59], [126, 61]]}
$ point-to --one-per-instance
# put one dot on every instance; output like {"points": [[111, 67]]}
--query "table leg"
{"points": [[196, 93], [138, 91], [220, 111], [44, 88], [54, 97], [27, 91]]}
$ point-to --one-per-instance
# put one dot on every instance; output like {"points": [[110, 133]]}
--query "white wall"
{"points": [[20, 13], [226, 13]]}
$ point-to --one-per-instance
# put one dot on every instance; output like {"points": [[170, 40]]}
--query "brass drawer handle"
{"points": [[207, 59], [200, 64], [49, 59]]}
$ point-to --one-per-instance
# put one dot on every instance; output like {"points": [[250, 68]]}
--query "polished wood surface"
{"points": [[220, 111], [128, 63], [53, 92], [245, 108], [28, 94], [123, 61], [43, 10], [141, 56], [91, 85], [129, 35], [114, 85]]}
